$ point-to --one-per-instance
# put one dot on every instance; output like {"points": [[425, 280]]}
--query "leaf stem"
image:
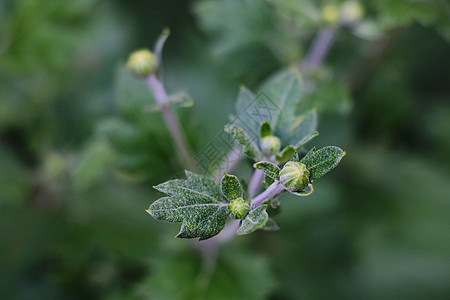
{"points": [[171, 121]]}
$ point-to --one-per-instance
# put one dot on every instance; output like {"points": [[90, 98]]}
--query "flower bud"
{"points": [[351, 11], [238, 208], [294, 176], [330, 14], [270, 144], [142, 63]]}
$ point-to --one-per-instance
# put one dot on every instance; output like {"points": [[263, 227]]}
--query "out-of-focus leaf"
{"points": [[271, 225], [249, 147], [237, 275], [94, 161]]}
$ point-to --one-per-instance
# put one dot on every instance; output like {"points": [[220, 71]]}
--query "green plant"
{"points": [[270, 132]]}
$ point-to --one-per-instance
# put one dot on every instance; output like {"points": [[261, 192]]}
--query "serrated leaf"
{"points": [[286, 154], [265, 129], [271, 225], [249, 147], [255, 220], [231, 187], [270, 169], [322, 161], [197, 202]]}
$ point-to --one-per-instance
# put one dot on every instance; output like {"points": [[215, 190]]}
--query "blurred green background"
{"points": [[79, 155]]}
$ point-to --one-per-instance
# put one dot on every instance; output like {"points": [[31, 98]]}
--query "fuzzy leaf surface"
{"points": [[320, 162], [196, 202], [270, 169], [231, 187], [255, 220]]}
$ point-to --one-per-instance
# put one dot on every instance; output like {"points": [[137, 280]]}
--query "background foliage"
{"points": [[79, 156]]}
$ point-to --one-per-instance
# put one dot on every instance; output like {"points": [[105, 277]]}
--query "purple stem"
{"points": [[161, 98], [274, 190], [255, 183], [319, 49]]}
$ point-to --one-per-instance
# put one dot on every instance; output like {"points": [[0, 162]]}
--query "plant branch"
{"points": [[319, 49], [274, 190], [172, 124], [255, 183]]}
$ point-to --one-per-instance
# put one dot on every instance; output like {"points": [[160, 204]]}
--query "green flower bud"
{"points": [[142, 63], [270, 144], [351, 11], [294, 176], [330, 14], [238, 208]]}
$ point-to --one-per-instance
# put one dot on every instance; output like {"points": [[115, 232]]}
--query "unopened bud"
{"points": [[351, 11], [270, 144], [330, 14], [238, 208], [142, 63], [294, 176]]}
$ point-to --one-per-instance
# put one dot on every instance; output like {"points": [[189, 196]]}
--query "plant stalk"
{"points": [[171, 121], [319, 49], [274, 190]]}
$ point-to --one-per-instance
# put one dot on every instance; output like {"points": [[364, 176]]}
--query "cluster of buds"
{"points": [[348, 13]]}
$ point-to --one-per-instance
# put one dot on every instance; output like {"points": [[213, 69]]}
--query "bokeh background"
{"points": [[79, 155]]}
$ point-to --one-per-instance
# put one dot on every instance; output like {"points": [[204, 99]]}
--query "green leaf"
{"points": [[255, 220], [197, 202], [265, 129], [231, 187], [302, 130], [283, 89], [271, 225], [238, 274], [181, 100], [322, 161], [305, 192], [249, 147], [305, 140], [244, 104], [286, 154], [270, 169]]}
